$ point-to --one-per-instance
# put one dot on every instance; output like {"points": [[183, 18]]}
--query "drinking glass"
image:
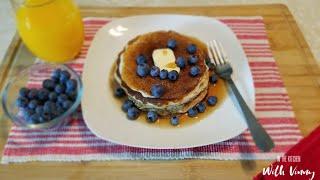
{"points": [[51, 29]]}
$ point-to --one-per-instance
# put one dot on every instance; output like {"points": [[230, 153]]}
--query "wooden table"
{"points": [[298, 69]]}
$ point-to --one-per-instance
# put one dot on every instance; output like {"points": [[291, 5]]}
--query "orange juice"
{"points": [[51, 29]]}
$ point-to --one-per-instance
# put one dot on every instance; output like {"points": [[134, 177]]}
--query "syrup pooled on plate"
{"points": [[218, 89]]}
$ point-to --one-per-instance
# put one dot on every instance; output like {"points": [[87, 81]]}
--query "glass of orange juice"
{"points": [[51, 29]]}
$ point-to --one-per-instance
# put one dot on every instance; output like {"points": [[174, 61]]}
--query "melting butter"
{"points": [[165, 59]]}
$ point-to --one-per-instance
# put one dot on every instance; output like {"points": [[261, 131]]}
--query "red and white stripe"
{"points": [[76, 143]]}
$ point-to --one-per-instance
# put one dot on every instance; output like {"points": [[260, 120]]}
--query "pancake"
{"points": [[180, 95]]}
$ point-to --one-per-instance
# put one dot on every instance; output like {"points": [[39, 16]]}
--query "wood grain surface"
{"points": [[298, 68]]}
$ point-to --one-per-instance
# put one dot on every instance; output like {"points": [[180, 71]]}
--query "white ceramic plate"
{"points": [[107, 121]]}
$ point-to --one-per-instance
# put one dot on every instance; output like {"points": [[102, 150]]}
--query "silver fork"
{"points": [[224, 70]]}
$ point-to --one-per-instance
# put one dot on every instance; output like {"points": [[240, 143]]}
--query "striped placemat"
{"points": [[76, 143]]}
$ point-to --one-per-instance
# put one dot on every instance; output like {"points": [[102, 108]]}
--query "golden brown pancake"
{"points": [[180, 94]]}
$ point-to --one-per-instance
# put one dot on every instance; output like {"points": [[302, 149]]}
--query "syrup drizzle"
{"points": [[219, 89]]}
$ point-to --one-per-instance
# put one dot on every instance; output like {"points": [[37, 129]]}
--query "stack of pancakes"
{"points": [[179, 95]]}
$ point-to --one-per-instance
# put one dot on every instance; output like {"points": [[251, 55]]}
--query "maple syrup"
{"points": [[218, 89]]}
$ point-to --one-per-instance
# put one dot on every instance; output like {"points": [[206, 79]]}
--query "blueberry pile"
{"points": [[128, 106], [55, 97], [133, 112], [143, 69], [201, 107], [192, 61], [157, 90]]}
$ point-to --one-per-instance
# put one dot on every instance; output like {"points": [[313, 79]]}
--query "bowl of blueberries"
{"points": [[42, 96]]}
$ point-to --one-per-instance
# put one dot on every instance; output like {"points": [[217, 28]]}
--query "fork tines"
{"points": [[216, 52]]}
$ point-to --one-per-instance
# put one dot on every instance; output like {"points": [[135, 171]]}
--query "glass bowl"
{"points": [[32, 77]]}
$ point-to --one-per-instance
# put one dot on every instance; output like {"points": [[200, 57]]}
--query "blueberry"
{"points": [[155, 71], [213, 79], [143, 70], [53, 96], [62, 98], [133, 113], [49, 106], [72, 95], [53, 114], [44, 118], [163, 74], [191, 49], [212, 100], [119, 92], [32, 93], [33, 104], [48, 84], [58, 104], [194, 71], [43, 94], [152, 116], [33, 119], [173, 75], [141, 59], [192, 112], [181, 63], [22, 102], [39, 109], [63, 80], [60, 88], [157, 90], [71, 84], [27, 112], [64, 76], [193, 59], [55, 80], [201, 107], [171, 43], [65, 73], [68, 90], [59, 109], [56, 74], [174, 120], [126, 105], [23, 92], [67, 104]]}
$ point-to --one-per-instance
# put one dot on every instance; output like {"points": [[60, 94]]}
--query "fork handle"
{"points": [[260, 136]]}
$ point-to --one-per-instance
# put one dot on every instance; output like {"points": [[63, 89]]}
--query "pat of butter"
{"points": [[165, 59]]}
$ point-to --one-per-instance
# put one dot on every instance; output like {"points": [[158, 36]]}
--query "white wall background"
{"points": [[306, 13]]}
